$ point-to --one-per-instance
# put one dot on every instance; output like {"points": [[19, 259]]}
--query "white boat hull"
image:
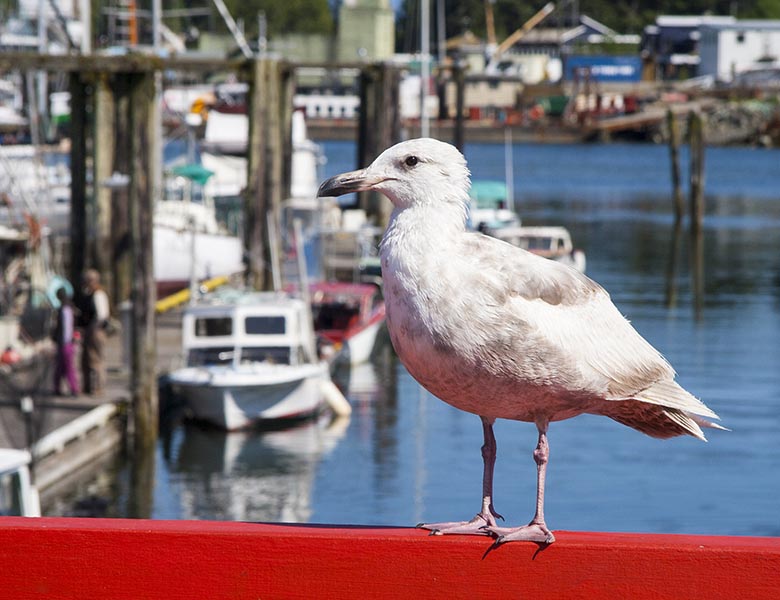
{"points": [[358, 347], [215, 254], [235, 398]]}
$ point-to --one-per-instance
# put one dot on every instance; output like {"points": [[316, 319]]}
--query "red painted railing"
{"points": [[116, 559]]}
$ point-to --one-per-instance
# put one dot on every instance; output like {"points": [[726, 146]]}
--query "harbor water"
{"points": [[406, 457]]}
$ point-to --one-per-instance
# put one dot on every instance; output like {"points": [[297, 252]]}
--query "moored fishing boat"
{"points": [[252, 362], [349, 316], [553, 242]]}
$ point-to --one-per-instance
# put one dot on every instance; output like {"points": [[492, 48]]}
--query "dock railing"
{"points": [[118, 558]]}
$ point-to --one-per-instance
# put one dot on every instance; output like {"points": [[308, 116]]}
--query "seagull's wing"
{"points": [[575, 317]]}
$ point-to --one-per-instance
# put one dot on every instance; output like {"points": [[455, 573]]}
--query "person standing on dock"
{"points": [[64, 337], [95, 314]]}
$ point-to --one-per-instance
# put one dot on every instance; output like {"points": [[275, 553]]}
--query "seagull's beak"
{"points": [[354, 181]]}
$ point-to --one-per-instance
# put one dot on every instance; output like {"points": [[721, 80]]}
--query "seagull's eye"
{"points": [[411, 161]]}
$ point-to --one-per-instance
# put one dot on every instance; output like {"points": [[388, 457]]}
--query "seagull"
{"points": [[496, 331]]}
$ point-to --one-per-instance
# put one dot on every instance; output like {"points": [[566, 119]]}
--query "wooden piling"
{"points": [[255, 198], [274, 154], [120, 213], [674, 154], [459, 76], [78, 178], [265, 171], [103, 159], [287, 93], [379, 128], [696, 144], [141, 197], [441, 93]]}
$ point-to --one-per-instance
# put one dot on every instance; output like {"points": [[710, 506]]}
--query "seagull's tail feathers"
{"points": [[663, 410], [692, 424], [669, 394]]}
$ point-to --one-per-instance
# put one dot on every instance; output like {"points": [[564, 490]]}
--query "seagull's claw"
{"points": [[533, 532], [479, 525]]}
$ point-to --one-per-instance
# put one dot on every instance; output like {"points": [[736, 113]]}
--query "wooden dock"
{"points": [[66, 433], [87, 558]]}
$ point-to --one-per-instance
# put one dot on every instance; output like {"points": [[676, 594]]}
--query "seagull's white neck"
{"points": [[426, 224]]}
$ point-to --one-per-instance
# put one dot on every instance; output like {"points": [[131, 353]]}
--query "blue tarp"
{"points": [[603, 67]]}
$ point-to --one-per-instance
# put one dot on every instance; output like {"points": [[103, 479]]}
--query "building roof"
{"points": [[755, 24], [693, 20]]}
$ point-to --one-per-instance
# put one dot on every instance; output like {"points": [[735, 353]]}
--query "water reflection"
{"points": [[673, 265], [248, 476], [696, 244]]}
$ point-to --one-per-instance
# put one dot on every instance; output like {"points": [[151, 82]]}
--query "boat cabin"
{"points": [[545, 241], [339, 307], [18, 497], [258, 327], [553, 242]]}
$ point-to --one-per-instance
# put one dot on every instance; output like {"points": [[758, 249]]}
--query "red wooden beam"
{"points": [[201, 560]]}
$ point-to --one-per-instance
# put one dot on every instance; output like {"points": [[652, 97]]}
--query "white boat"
{"points": [[189, 242], [490, 206], [18, 496], [251, 362], [553, 242]]}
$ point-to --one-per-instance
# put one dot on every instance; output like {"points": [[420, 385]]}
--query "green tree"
{"points": [[630, 16], [284, 16]]}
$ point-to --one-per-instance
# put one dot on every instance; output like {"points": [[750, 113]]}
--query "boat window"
{"points": [[539, 243], [264, 325], [199, 357], [213, 326], [10, 500], [279, 355]]}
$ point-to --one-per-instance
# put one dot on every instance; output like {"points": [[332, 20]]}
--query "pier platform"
{"points": [[66, 433]]}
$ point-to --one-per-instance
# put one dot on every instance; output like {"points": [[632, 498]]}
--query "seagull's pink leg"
{"points": [[486, 517], [536, 530]]}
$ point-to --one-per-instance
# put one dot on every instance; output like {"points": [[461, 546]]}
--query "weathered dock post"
{"points": [[103, 145], [142, 192], [120, 216], [459, 75], [379, 128], [78, 179], [265, 166], [696, 144], [287, 93], [674, 154]]}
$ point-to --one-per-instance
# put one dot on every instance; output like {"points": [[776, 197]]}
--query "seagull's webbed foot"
{"points": [[533, 532], [479, 525]]}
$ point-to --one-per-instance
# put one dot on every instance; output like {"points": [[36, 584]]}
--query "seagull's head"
{"points": [[421, 171]]}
